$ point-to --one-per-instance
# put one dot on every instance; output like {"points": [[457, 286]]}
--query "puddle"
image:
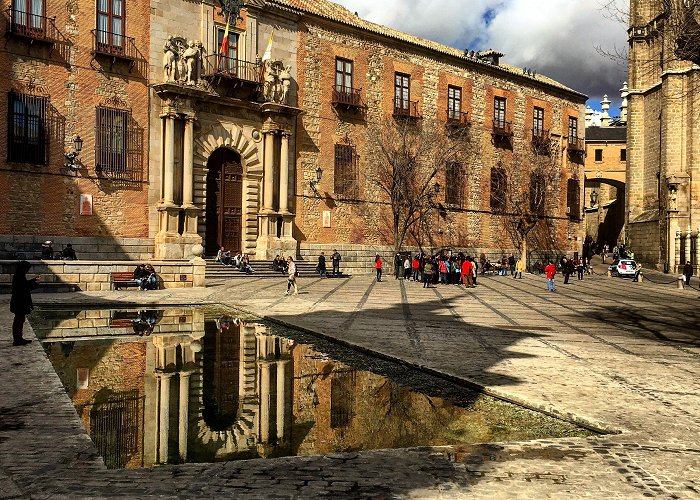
{"points": [[193, 384]]}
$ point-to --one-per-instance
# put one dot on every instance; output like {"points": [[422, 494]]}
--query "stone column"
{"points": [[269, 172], [184, 414], [677, 256], [169, 161], [688, 247], [281, 399], [164, 416], [284, 174], [265, 402]]}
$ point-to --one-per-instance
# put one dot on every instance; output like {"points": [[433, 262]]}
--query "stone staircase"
{"points": [[263, 269]]}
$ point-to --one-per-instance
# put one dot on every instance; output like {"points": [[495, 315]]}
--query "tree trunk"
{"points": [[523, 252]]}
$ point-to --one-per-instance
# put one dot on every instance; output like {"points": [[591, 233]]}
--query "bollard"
{"points": [[681, 283], [609, 273], [641, 277]]}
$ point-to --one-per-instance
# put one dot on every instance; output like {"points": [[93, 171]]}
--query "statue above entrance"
{"points": [[278, 82], [183, 61]]}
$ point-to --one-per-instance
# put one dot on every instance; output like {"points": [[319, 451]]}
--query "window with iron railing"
{"points": [[227, 60], [28, 17], [402, 92], [342, 398], [345, 171], [118, 143], [27, 129], [343, 74], [454, 185], [499, 186], [573, 129], [110, 26]]}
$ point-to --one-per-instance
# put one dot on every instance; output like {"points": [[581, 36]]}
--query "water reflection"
{"points": [[183, 384]]}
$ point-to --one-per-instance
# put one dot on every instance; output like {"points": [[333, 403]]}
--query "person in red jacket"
{"points": [[467, 269], [378, 267], [550, 271]]}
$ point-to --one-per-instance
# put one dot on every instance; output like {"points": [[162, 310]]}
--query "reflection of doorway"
{"points": [[221, 367], [224, 201]]}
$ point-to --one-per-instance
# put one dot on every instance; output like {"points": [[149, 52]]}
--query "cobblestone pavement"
{"points": [[616, 355]]}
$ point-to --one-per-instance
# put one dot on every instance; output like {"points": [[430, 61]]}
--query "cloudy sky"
{"points": [[555, 37]]}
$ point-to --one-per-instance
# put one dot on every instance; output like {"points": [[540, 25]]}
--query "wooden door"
{"points": [[224, 202]]}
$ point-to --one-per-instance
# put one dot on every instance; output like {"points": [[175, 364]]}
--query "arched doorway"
{"points": [[224, 201]]}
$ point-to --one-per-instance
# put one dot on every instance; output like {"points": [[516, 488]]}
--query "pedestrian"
{"points": [[416, 268], [335, 259], [321, 267], [519, 269], [378, 267], [511, 264], [398, 266], [442, 268], [407, 268], [21, 300], [579, 268], [687, 272], [637, 272], [428, 269], [550, 272], [468, 273], [566, 269], [291, 276]]}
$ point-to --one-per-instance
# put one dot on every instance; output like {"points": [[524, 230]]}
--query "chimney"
{"points": [[605, 106], [624, 93]]}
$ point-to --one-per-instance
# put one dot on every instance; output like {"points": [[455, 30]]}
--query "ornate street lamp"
{"points": [[73, 155], [594, 198]]}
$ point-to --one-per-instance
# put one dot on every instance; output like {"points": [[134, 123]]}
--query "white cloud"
{"points": [[554, 37]]}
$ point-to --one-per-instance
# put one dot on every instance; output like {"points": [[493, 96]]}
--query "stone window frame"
{"points": [[454, 102], [346, 172], [33, 150]]}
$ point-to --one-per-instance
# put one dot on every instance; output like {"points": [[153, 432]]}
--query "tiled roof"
{"points": [[335, 12], [617, 134]]}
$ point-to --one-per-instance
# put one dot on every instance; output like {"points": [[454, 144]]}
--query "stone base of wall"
{"points": [[95, 275], [643, 239], [22, 247]]}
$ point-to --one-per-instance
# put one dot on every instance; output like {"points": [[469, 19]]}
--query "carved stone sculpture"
{"points": [[183, 61], [278, 82], [286, 78], [169, 61], [192, 63]]}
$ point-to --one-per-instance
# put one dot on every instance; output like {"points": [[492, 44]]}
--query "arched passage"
{"points": [[224, 202]]}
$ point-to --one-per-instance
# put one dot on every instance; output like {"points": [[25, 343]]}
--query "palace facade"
{"points": [[264, 151]]}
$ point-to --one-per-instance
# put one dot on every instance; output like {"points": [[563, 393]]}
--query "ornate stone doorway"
{"points": [[224, 209]]}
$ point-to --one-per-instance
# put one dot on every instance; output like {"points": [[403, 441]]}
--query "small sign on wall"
{"points": [[326, 218], [85, 204]]}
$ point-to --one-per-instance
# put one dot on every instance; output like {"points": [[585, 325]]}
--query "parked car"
{"points": [[623, 267]]}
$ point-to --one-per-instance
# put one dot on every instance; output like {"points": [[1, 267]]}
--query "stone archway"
{"points": [[233, 137]]}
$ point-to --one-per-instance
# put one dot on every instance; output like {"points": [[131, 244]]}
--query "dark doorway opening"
{"points": [[224, 201]]}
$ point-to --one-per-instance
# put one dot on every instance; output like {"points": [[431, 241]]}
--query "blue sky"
{"points": [[557, 38]]}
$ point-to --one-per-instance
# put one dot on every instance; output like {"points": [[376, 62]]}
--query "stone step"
{"points": [[6, 288]]}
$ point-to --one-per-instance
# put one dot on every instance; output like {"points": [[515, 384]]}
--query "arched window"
{"points": [[499, 187]]}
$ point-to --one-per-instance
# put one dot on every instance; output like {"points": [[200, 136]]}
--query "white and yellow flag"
{"points": [[268, 52]]}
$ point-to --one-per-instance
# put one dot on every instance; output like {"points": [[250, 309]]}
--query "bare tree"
{"points": [[410, 154], [523, 192]]}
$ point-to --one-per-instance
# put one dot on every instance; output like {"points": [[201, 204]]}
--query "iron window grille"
{"points": [[346, 171], [454, 185], [342, 398], [115, 428], [499, 186], [118, 144], [27, 129]]}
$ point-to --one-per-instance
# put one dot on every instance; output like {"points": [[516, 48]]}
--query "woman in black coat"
{"points": [[21, 300]]}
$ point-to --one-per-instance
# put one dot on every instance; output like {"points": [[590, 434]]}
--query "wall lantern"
{"points": [[314, 182], [594, 198], [73, 155]]}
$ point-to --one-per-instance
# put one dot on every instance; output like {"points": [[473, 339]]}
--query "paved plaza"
{"points": [[605, 352]]}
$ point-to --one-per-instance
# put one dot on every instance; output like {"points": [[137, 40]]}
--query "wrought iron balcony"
{"points": [[32, 27], [347, 97], [231, 68], [406, 109], [457, 119], [576, 145], [114, 45], [502, 128], [541, 138]]}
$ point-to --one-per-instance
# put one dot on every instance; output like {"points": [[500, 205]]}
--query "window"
{"points": [[623, 154], [573, 199], [598, 154], [345, 171], [499, 112], [342, 398], [499, 186], [573, 129], [538, 122], [111, 139], [402, 92], [229, 58], [454, 185], [537, 193], [110, 24], [28, 16], [454, 102], [343, 75], [27, 129]]}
